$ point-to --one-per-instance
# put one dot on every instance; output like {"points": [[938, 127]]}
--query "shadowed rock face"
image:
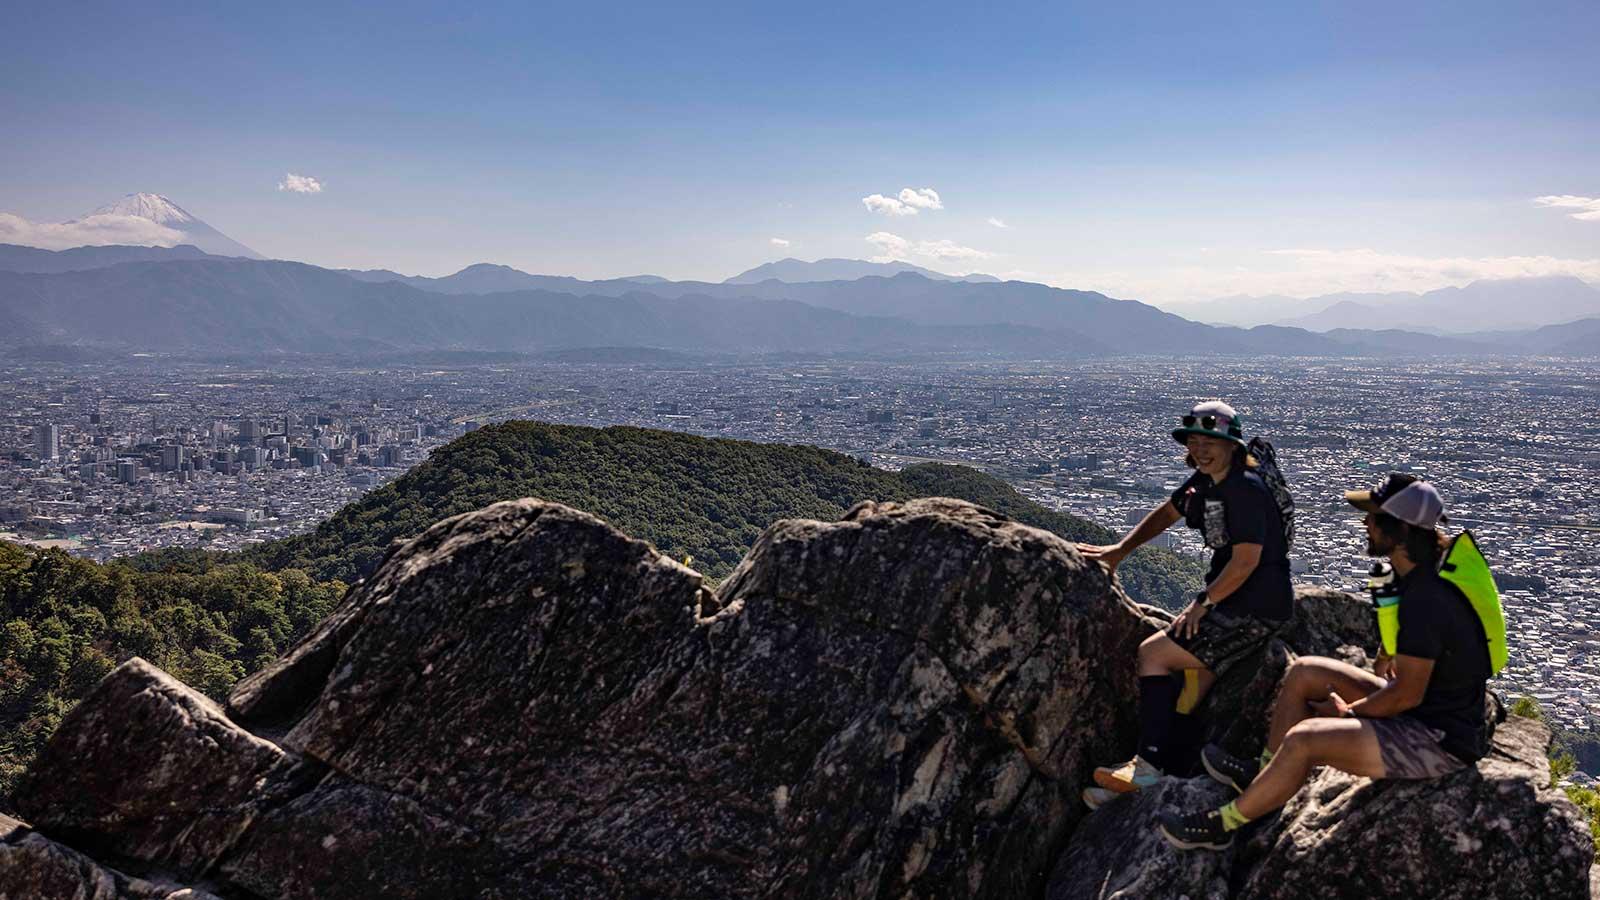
{"points": [[525, 702], [32, 867]]}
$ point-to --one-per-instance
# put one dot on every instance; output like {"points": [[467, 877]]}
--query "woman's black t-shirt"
{"points": [[1241, 510]]}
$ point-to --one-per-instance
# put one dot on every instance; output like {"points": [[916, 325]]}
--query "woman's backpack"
{"points": [[1272, 476]]}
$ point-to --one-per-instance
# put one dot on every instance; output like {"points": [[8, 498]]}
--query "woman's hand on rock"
{"points": [[1108, 555]]}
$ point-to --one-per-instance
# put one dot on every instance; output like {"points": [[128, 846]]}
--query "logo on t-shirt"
{"points": [[1216, 524]]}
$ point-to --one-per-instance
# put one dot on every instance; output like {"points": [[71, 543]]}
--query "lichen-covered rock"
{"points": [[1497, 830], [1493, 832], [146, 768], [1116, 853], [524, 701], [32, 867]]}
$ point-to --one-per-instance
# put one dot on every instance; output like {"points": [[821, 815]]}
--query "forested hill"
{"points": [[690, 496]]}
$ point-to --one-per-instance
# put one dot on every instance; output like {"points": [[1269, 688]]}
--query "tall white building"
{"points": [[47, 442]]}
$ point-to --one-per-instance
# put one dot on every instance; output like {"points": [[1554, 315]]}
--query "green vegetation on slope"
{"points": [[65, 622], [689, 496], [1562, 764]]}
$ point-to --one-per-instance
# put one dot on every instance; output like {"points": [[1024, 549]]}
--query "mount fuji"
{"points": [[163, 212]]}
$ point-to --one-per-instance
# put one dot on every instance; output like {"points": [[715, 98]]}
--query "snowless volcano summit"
{"points": [[162, 211]]}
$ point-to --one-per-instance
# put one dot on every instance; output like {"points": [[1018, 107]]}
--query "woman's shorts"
{"points": [[1223, 639], [1410, 749]]}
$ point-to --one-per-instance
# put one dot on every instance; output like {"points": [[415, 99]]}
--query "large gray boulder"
{"points": [[1497, 831], [33, 867], [523, 701], [907, 702]]}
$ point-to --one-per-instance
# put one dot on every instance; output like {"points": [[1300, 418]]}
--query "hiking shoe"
{"points": [[1195, 831], [1229, 769], [1128, 777], [1095, 797]]}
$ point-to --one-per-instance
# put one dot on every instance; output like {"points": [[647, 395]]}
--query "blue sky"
{"points": [[1157, 151]]}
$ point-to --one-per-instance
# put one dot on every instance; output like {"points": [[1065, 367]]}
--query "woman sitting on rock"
{"points": [[1247, 595]]}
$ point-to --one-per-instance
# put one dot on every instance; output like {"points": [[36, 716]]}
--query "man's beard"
{"points": [[1379, 545]]}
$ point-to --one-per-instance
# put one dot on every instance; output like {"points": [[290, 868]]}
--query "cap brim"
{"points": [[1179, 434], [1362, 500]]}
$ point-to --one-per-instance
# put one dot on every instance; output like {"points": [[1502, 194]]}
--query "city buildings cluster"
{"points": [[118, 458]]}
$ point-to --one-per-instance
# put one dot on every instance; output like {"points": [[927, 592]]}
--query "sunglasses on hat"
{"points": [[1208, 422]]}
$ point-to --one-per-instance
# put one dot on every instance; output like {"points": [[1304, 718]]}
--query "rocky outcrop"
{"points": [[523, 702], [32, 867], [1497, 830]]}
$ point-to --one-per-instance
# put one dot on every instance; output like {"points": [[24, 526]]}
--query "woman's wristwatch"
{"points": [[1204, 599]]}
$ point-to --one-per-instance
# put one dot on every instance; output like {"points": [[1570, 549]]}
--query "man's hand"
{"points": [[1187, 623], [1108, 555], [1383, 666], [1333, 707]]}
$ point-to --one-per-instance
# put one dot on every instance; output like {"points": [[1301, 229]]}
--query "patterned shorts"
{"points": [[1411, 749], [1224, 639]]}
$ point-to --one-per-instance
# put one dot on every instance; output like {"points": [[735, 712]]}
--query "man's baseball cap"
{"points": [[1406, 497]]}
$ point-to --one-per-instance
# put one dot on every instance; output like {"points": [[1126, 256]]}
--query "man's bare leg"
{"points": [[1349, 745], [1311, 678]]}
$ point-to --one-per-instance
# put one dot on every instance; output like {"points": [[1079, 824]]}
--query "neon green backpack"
{"points": [[1462, 565]]}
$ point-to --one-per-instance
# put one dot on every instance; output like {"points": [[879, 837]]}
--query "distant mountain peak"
{"points": [[163, 211], [796, 271], [154, 207]]}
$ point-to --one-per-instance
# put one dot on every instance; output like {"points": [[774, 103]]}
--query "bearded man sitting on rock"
{"points": [[1418, 714]]}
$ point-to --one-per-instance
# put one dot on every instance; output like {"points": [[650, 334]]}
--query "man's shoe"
{"points": [[1196, 831], [1095, 797], [1229, 769], [1128, 777]]}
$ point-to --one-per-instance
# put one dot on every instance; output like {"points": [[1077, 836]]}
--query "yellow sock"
{"points": [[1232, 819]]}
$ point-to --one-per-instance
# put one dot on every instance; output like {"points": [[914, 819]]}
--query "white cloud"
{"points": [[888, 206], [96, 231], [910, 202], [927, 198], [300, 184], [997, 223], [892, 247], [779, 242], [1310, 272], [1588, 208]]}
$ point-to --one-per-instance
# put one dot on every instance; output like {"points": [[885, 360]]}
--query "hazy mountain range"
{"points": [[1489, 305], [186, 299], [178, 302]]}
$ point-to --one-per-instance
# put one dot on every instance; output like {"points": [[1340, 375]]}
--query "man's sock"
{"points": [[1158, 695], [1232, 819], [1266, 757]]}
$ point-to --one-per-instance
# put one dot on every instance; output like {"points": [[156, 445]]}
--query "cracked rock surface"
{"points": [[524, 702]]}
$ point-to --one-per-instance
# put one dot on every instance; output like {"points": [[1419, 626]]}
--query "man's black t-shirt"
{"points": [[1437, 623], [1241, 510]]}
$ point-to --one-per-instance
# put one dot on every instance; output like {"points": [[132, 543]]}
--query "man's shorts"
{"points": [[1224, 639], [1410, 749]]}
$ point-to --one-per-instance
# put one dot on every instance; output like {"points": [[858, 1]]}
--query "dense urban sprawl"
{"points": [[120, 457]]}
